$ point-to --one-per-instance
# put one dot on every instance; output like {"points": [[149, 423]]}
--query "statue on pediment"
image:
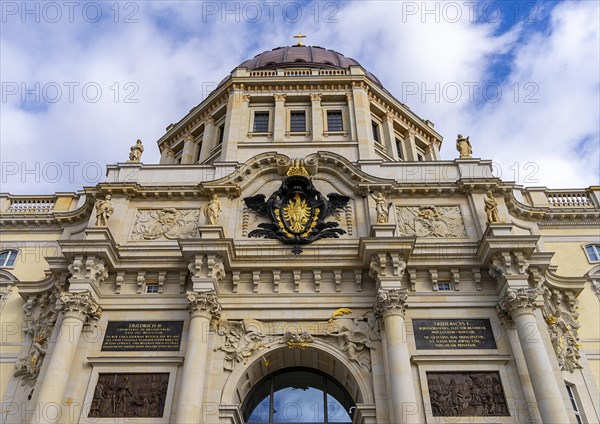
{"points": [[135, 152], [463, 145]]}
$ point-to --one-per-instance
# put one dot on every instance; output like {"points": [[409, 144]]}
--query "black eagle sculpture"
{"points": [[297, 212]]}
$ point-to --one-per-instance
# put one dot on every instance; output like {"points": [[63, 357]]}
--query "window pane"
{"points": [[297, 121], [375, 131], [338, 404], [298, 397], [7, 258], [261, 122], [221, 134], [259, 403], [593, 252], [334, 120]]}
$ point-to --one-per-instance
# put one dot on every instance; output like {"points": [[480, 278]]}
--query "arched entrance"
{"points": [[298, 395], [343, 379]]}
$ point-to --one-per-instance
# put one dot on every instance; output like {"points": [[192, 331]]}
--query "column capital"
{"points": [[517, 302], [188, 137], [390, 302], [315, 97], [80, 305], [279, 97], [204, 304]]}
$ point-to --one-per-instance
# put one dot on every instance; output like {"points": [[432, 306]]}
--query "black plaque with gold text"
{"points": [[453, 334], [142, 335]]}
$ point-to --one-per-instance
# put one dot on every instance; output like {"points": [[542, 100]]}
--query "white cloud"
{"points": [[178, 49]]}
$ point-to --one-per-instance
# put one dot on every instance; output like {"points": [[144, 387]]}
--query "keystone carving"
{"points": [[81, 305], [517, 302], [390, 302], [204, 303], [91, 268]]}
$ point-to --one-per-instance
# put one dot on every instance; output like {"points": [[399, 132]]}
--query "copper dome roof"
{"points": [[294, 56]]}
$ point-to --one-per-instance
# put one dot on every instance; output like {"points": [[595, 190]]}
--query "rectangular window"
{"points": [[297, 121], [375, 127], [152, 288], [334, 120], [399, 148], [261, 122], [221, 134], [444, 287], [571, 393]]}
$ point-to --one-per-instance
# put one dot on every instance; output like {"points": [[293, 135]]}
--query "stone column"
{"points": [[203, 307], [519, 306], [78, 308], [317, 117], [364, 130], [388, 135], [189, 153], [209, 140], [279, 125], [390, 307], [410, 147]]}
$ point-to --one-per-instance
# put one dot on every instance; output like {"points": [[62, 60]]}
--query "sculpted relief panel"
{"points": [[430, 221], [165, 224], [469, 393], [130, 395]]}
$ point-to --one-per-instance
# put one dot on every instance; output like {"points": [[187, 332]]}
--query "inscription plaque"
{"points": [[130, 395], [469, 393], [142, 335], [453, 334]]}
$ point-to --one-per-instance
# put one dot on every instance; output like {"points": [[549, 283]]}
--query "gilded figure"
{"points": [[212, 210], [491, 208]]}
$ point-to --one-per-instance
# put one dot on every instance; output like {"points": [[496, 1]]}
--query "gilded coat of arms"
{"points": [[297, 212]]}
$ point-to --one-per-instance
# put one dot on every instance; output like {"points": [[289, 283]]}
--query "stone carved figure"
{"points": [[242, 339], [353, 336], [382, 206], [491, 208], [430, 221], [469, 393], [463, 145], [167, 223], [562, 326], [104, 209], [212, 210], [130, 395], [135, 152], [40, 316]]}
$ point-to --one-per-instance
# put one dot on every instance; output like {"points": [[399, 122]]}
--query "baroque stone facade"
{"points": [[295, 257]]}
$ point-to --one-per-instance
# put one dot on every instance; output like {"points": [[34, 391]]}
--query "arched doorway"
{"points": [[298, 395]]}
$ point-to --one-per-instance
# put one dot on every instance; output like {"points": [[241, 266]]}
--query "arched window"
{"points": [[298, 395], [593, 252], [7, 258]]}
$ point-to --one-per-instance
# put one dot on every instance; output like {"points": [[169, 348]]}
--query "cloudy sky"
{"points": [[81, 81]]}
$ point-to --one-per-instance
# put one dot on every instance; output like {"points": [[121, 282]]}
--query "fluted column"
{"points": [[203, 307], [519, 306], [78, 308], [390, 307]]}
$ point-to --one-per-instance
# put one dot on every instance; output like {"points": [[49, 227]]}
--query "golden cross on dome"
{"points": [[299, 37]]}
